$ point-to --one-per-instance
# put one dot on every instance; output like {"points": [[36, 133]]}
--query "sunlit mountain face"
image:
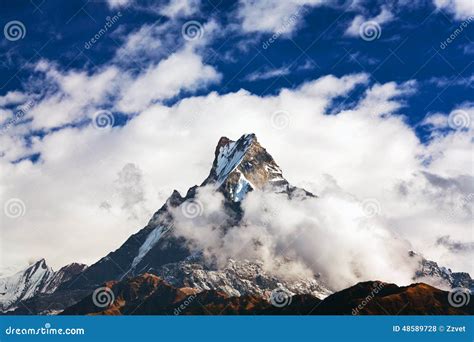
{"points": [[247, 153]]}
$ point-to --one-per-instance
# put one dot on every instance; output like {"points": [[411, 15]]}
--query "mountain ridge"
{"points": [[35, 279], [148, 294]]}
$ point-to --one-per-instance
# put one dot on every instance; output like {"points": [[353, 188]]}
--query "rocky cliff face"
{"points": [[244, 165], [66, 273], [237, 278]]}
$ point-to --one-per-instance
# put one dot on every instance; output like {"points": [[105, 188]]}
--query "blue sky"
{"points": [[370, 98], [315, 44]]}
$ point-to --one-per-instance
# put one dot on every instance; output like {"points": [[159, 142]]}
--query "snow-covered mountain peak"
{"points": [[38, 266], [229, 154], [242, 166], [34, 279], [444, 278], [24, 284]]}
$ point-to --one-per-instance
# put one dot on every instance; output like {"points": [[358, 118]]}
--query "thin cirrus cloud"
{"points": [[268, 74]]}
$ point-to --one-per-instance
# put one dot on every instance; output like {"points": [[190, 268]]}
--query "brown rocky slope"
{"points": [[147, 294]]}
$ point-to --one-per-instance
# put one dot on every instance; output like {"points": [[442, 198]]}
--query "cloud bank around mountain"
{"points": [[336, 236]]}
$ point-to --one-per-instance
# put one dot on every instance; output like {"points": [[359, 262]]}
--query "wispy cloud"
{"points": [[268, 74]]}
